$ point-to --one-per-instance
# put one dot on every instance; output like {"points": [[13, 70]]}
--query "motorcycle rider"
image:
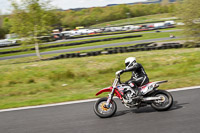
{"points": [[139, 76]]}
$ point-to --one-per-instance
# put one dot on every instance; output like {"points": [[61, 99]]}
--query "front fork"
{"points": [[110, 96]]}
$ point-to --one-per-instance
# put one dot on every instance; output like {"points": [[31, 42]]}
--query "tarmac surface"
{"points": [[183, 117]]}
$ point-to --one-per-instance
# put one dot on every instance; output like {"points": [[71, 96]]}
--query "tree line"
{"points": [[31, 19], [86, 17]]}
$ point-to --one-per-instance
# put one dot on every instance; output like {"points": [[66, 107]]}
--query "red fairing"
{"points": [[109, 89]]}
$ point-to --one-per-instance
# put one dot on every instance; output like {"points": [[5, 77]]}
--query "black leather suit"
{"points": [[139, 76]]}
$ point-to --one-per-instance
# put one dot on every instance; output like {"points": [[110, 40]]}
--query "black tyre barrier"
{"points": [[76, 55], [142, 49], [56, 57], [66, 55], [132, 49], [159, 47], [62, 56], [14, 51], [138, 49], [110, 52], [164, 47], [106, 49], [169, 46], [92, 41], [129, 47], [153, 48], [95, 53], [121, 50], [115, 51], [89, 54], [197, 45], [72, 55], [148, 48]]}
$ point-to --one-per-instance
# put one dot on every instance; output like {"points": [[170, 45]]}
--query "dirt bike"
{"points": [[160, 100]]}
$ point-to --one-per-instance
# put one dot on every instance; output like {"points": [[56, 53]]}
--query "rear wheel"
{"points": [[103, 112], [164, 103]]}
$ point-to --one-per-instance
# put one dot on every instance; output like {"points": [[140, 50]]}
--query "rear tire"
{"points": [[103, 112], [165, 104]]}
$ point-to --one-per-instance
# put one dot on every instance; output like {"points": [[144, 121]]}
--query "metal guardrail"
{"points": [[5, 43]]}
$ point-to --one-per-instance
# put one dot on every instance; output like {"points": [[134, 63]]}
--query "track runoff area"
{"points": [[83, 101]]}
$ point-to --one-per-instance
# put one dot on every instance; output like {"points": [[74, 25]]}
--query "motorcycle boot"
{"points": [[134, 88]]}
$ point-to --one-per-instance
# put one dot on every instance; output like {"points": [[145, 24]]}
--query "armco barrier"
{"points": [[100, 34]]}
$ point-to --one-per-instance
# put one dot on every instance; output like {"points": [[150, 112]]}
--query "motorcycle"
{"points": [[160, 100]]}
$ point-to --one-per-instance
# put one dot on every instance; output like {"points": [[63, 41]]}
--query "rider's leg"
{"points": [[142, 81], [139, 82], [133, 86]]}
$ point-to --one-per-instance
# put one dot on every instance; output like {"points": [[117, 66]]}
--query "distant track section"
{"points": [[86, 48], [72, 44]]}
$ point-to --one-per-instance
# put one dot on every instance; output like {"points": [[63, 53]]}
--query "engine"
{"points": [[129, 93]]}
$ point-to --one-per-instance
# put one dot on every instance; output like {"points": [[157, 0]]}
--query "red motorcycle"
{"points": [[160, 100]]}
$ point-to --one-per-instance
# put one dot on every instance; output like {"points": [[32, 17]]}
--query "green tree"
{"points": [[6, 25], [2, 33], [31, 19], [190, 13]]}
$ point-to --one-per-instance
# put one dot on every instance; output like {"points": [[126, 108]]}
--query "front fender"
{"points": [[109, 89]]}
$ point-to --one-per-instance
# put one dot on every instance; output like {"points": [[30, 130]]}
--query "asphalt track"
{"points": [[85, 38], [183, 117], [86, 48]]}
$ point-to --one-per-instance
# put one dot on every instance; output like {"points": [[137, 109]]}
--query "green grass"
{"points": [[41, 82], [144, 37]]}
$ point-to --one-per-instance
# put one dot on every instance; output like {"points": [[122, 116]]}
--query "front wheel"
{"points": [[103, 112], [165, 103]]}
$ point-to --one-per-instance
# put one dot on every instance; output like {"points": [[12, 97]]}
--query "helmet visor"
{"points": [[126, 64]]}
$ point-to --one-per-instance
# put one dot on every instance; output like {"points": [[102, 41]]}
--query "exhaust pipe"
{"points": [[151, 98]]}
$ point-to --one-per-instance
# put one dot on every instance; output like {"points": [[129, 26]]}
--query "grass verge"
{"points": [[55, 81]]}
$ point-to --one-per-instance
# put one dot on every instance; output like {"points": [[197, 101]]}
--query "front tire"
{"points": [[103, 112], [165, 103]]}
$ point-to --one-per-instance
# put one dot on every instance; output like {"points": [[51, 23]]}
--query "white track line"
{"points": [[83, 101], [185, 88]]}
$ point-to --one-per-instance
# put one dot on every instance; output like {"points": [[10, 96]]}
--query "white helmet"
{"points": [[130, 62]]}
